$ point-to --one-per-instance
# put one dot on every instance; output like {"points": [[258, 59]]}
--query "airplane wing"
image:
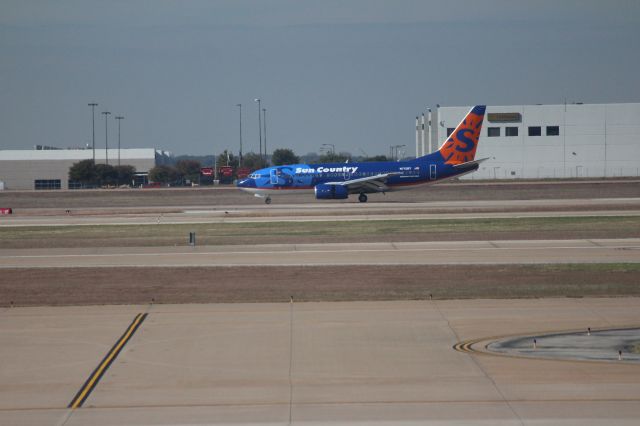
{"points": [[376, 183]]}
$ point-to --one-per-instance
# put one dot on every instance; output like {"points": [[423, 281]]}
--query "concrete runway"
{"points": [[401, 253], [310, 363], [328, 212]]}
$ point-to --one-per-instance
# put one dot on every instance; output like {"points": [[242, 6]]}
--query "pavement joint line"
{"points": [[581, 304], [332, 403], [94, 378], [475, 361], [291, 312]]}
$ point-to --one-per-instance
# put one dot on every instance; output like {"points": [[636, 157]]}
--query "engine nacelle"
{"points": [[331, 192]]}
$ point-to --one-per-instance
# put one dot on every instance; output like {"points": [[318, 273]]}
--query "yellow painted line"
{"points": [[465, 346], [97, 374]]}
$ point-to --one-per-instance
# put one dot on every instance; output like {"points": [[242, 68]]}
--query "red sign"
{"points": [[243, 172], [226, 171], [206, 171], [5, 210]]}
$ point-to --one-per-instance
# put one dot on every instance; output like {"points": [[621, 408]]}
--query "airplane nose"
{"points": [[247, 183]]}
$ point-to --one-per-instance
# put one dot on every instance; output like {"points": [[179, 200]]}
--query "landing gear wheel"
{"points": [[267, 200], [362, 198]]}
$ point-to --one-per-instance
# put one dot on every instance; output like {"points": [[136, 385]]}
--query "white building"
{"points": [[49, 168], [553, 141]]}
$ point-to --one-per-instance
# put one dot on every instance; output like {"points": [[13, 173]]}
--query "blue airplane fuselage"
{"points": [[335, 181], [305, 177]]}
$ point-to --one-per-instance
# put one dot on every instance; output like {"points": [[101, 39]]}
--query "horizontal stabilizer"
{"points": [[469, 164]]}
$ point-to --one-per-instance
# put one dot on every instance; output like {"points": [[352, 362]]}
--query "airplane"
{"points": [[336, 181]]}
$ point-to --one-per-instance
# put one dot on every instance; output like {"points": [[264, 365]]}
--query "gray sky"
{"points": [[351, 73]]}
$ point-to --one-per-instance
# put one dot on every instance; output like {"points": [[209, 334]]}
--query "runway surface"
{"points": [[401, 253], [309, 363], [327, 212]]}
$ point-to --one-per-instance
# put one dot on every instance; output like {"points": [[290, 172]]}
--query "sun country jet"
{"points": [[335, 181]]}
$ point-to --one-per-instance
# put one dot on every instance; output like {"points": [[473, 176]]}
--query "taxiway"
{"points": [[400, 253], [310, 363]]}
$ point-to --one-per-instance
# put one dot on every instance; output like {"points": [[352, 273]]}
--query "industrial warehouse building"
{"points": [[552, 141], [49, 168]]}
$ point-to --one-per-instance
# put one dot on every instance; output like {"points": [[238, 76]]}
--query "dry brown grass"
{"points": [[89, 286]]}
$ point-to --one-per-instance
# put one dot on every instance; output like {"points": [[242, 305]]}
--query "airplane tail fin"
{"points": [[461, 145]]}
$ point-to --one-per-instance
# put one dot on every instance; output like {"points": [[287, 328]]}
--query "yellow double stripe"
{"points": [[97, 374]]}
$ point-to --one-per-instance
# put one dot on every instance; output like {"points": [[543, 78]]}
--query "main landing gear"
{"points": [[267, 200], [362, 198]]}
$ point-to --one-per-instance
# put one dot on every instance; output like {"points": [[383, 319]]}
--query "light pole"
{"points": [[264, 123], [333, 147], [398, 152], [395, 147], [119, 118], [106, 137], [240, 110], [259, 124], [93, 106]]}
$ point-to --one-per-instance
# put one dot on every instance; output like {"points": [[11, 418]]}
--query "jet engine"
{"points": [[331, 192]]}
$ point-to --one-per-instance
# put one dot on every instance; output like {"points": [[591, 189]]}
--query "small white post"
{"points": [[535, 343]]}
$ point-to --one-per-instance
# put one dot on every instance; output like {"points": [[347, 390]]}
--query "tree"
{"points": [[124, 174], [332, 157], [106, 174], [227, 158], [253, 161], [376, 158], [310, 158], [163, 174], [84, 172], [189, 169], [284, 156]]}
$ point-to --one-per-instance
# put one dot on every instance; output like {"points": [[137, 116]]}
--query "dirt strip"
{"points": [[89, 286]]}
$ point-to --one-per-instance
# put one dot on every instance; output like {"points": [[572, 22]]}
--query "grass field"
{"points": [[310, 232]]}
